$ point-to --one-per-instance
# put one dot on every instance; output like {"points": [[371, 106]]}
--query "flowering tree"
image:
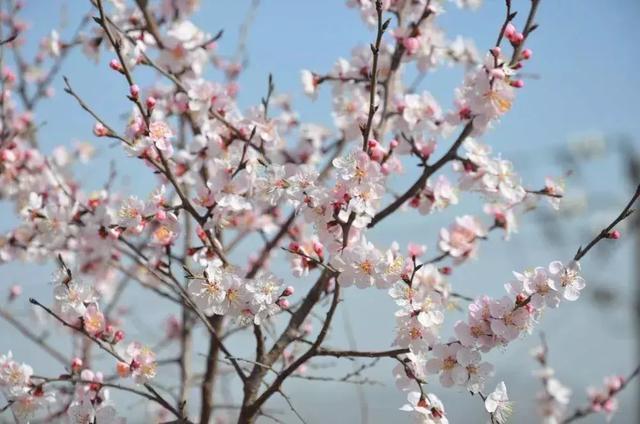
{"points": [[293, 190]]}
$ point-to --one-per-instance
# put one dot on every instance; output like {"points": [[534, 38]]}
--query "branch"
{"points": [[375, 49], [426, 173], [626, 212]]}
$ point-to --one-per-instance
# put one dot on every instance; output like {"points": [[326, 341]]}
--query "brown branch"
{"points": [[426, 173], [375, 49], [626, 212]]}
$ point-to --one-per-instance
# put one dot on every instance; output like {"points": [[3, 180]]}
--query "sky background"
{"points": [[585, 56]]}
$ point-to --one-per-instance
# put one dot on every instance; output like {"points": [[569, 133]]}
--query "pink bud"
{"points": [[134, 90], [411, 44], [372, 143], [76, 364], [283, 303], [416, 249], [161, 215], [393, 144], [115, 65], [151, 102], [509, 30], [288, 291], [496, 51], [526, 54], [14, 292], [318, 248], [100, 130], [517, 83], [385, 169], [517, 38], [609, 405], [615, 235], [118, 337], [376, 154], [446, 270], [294, 246]]}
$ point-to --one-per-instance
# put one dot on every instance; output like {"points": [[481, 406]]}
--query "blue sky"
{"points": [[585, 53]]}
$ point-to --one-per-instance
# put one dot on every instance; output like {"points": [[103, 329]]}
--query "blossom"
{"points": [[445, 363], [160, 134], [141, 361], [498, 405], [428, 408], [360, 264], [93, 320], [460, 239], [309, 83], [567, 279], [219, 292], [508, 321]]}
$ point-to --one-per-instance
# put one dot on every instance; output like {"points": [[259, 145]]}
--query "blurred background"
{"points": [[577, 117]]}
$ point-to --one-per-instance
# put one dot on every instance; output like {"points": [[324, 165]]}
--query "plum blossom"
{"points": [[360, 264], [427, 409], [460, 239], [498, 405], [567, 279]]}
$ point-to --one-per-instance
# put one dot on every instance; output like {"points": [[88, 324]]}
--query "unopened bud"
{"points": [[115, 65], [76, 364], [288, 291], [134, 90], [14, 292], [118, 337], [294, 246], [446, 270], [283, 303], [100, 130], [527, 53], [517, 83], [151, 102], [615, 235]]}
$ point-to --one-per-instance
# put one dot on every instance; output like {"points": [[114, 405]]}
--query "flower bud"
{"points": [[118, 337], [115, 65], [615, 235], [411, 45], [393, 144], [76, 364], [100, 130], [283, 303], [527, 53], [318, 248], [495, 52], [134, 90], [517, 83], [445, 270], [510, 31], [14, 292], [294, 246], [151, 102], [517, 38], [288, 291]]}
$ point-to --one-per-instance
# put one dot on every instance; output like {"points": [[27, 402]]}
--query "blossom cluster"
{"points": [[230, 175]]}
